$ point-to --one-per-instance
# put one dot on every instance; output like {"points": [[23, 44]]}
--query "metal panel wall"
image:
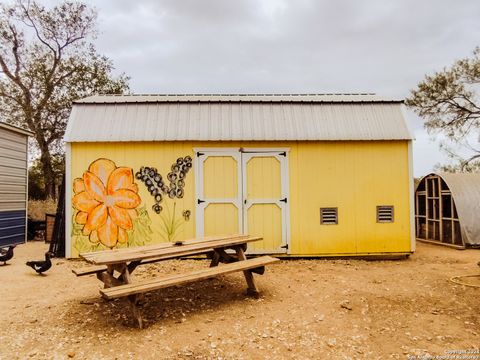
{"points": [[13, 186]]}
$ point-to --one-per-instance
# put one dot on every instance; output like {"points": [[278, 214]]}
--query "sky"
{"points": [[289, 46]]}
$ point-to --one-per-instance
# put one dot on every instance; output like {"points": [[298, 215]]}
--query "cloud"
{"points": [[287, 46]]}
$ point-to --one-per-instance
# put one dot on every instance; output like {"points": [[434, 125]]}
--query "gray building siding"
{"points": [[13, 184]]}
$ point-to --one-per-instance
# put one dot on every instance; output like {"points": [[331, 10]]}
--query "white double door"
{"points": [[241, 191]]}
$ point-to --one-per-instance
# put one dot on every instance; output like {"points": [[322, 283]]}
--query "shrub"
{"points": [[38, 208]]}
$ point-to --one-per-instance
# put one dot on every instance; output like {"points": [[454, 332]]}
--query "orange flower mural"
{"points": [[106, 197]]}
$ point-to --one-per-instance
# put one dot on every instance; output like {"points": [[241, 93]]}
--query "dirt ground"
{"points": [[309, 309]]}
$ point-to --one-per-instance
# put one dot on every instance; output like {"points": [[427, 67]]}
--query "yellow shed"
{"points": [[314, 175]]}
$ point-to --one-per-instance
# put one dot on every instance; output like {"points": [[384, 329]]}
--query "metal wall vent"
{"points": [[329, 216], [384, 214]]}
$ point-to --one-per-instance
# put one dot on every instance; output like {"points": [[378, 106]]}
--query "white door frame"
{"points": [[282, 203], [201, 202], [242, 155]]}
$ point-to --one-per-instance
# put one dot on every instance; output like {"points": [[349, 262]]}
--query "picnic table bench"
{"points": [[115, 267]]}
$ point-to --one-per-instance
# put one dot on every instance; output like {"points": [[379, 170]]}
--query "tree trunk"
{"points": [[48, 173]]}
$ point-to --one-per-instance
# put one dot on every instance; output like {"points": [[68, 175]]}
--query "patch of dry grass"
{"points": [[38, 208]]}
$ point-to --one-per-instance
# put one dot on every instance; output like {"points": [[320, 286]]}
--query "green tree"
{"points": [[48, 60], [36, 180], [449, 102]]}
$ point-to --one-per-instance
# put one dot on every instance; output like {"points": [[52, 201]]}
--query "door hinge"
{"points": [[283, 154], [284, 200], [200, 201], [200, 154], [284, 246]]}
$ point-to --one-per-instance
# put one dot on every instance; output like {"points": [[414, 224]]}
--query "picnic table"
{"points": [[115, 267]]}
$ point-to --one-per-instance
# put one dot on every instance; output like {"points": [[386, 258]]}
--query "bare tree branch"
{"points": [[44, 73], [449, 104]]}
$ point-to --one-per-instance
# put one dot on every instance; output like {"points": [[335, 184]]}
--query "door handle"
{"points": [[200, 201], [284, 200]]}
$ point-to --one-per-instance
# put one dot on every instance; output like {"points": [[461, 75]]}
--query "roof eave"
{"points": [[16, 129]]}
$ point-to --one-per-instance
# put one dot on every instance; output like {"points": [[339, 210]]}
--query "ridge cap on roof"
{"points": [[245, 97]]}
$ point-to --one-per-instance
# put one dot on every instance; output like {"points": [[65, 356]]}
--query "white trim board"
{"points": [[411, 197], [68, 200], [283, 206], [199, 188], [242, 149], [264, 150]]}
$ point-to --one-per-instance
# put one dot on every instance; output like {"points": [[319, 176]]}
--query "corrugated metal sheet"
{"points": [[13, 184], [162, 98], [465, 190], [119, 119], [12, 227]]}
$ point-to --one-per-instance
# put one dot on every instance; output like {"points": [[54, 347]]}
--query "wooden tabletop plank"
{"points": [[154, 247], [163, 245], [172, 251]]}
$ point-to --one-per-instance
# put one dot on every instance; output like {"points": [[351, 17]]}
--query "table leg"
{"points": [[134, 300], [137, 314], [133, 265], [224, 257], [251, 288], [107, 276], [215, 259], [109, 280]]}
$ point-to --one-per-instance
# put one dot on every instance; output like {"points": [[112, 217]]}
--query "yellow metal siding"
{"points": [[136, 155], [354, 176]]}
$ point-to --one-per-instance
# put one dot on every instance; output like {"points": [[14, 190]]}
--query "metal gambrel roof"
{"points": [[465, 188], [236, 117]]}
